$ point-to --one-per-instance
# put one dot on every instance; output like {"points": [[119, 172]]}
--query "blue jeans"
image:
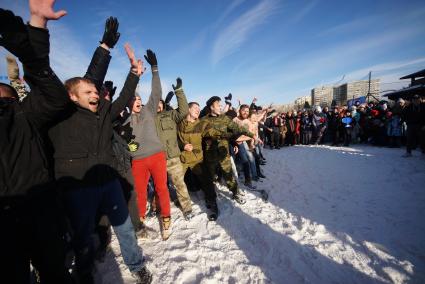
{"points": [[84, 206], [242, 160], [251, 160]]}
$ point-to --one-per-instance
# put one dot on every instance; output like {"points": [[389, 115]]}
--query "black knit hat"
{"points": [[212, 100]]}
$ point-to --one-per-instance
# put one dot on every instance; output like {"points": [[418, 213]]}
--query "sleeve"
{"points": [[98, 67], [126, 94], [156, 92], [48, 97], [180, 113], [238, 130]]}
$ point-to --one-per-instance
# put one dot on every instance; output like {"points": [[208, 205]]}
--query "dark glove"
{"points": [[169, 97], [14, 36], [228, 99], [179, 84], [111, 34], [109, 87], [151, 58]]}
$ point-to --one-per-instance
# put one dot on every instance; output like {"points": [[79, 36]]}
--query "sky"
{"points": [[273, 50]]}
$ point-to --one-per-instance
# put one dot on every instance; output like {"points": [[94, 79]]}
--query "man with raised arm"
{"points": [[216, 148], [30, 215], [166, 125], [150, 157], [84, 165]]}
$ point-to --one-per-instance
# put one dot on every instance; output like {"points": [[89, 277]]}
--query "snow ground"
{"points": [[335, 215]]}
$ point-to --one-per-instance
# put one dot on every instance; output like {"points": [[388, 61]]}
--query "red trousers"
{"points": [[155, 165]]}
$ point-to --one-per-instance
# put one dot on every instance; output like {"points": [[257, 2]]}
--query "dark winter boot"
{"points": [[212, 206], [144, 276]]}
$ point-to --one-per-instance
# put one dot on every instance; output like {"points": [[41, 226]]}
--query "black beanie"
{"points": [[212, 100]]}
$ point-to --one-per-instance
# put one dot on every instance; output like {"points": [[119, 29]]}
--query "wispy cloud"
{"points": [[235, 34], [304, 11]]}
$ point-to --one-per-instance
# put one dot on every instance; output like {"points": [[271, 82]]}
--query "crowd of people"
{"points": [[376, 123], [77, 159]]}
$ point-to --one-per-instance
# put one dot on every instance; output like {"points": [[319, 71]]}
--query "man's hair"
{"points": [[71, 84], [7, 91], [193, 103], [244, 106]]}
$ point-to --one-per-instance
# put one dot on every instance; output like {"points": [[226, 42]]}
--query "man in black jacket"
{"points": [[414, 115], [29, 212], [85, 164]]}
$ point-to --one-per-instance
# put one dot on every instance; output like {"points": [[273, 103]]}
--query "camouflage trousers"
{"points": [[176, 173], [225, 165]]}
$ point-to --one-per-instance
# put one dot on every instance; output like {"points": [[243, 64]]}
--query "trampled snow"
{"points": [[335, 215]]}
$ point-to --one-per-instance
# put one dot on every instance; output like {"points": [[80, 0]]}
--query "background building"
{"points": [[322, 96], [356, 89], [299, 102]]}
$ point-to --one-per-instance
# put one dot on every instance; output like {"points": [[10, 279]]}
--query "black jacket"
{"points": [[82, 141], [23, 162]]}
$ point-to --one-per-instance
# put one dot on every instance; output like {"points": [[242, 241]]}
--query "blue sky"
{"points": [[273, 50]]}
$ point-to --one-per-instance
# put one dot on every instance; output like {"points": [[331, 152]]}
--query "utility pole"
{"points": [[368, 92]]}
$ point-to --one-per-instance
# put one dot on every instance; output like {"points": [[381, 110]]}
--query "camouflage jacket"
{"points": [[20, 88], [216, 145]]}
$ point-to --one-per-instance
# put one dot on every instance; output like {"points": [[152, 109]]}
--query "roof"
{"points": [[414, 75], [407, 92]]}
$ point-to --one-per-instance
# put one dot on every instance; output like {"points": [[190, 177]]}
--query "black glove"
{"points": [[179, 84], [169, 97], [151, 58], [109, 87], [228, 99], [111, 34], [14, 36]]}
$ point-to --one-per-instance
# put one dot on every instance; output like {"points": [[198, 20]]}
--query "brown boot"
{"points": [[142, 231], [165, 227]]}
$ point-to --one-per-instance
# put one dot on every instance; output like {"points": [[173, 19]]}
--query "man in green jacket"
{"points": [[190, 133], [166, 125], [216, 148]]}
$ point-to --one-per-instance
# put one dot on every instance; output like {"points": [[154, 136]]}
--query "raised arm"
{"points": [[180, 113], [130, 84], [156, 91], [100, 61], [30, 44]]}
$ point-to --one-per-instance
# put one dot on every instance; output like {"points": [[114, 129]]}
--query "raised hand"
{"points": [[151, 58], [179, 84], [42, 11], [109, 86], [169, 97], [136, 64], [111, 34]]}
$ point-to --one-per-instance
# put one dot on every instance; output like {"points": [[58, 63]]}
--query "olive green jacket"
{"points": [[216, 147], [166, 125]]}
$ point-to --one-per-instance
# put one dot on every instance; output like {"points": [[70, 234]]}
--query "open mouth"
{"points": [[93, 103]]}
